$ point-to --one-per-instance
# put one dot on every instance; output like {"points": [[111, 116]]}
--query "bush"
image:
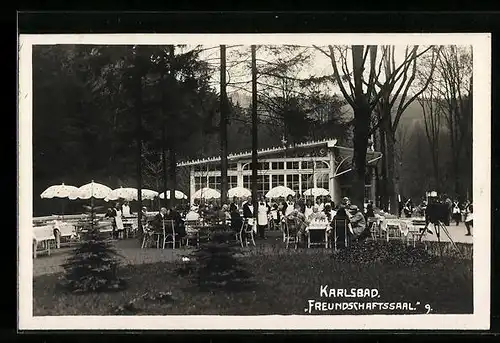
{"points": [[391, 253], [213, 266], [93, 264]]}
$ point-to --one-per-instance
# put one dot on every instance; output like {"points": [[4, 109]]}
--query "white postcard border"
{"points": [[481, 181]]}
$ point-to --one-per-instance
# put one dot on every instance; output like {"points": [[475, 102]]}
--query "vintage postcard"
{"points": [[254, 182]]}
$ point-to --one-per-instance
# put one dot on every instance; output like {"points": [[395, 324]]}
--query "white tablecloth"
{"points": [[405, 224]]}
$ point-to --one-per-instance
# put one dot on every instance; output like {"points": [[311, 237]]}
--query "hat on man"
{"points": [[353, 208]]}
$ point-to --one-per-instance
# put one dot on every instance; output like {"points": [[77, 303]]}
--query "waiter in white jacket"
{"points": [[263, 210]]}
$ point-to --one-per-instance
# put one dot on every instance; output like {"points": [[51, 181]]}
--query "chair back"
{"points": [[169, 226], [291, 226], [248, 224], [340, 232]]}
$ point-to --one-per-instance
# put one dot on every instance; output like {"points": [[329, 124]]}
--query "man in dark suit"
{"points": [[248, 208], [174, 215], [158, 219]]}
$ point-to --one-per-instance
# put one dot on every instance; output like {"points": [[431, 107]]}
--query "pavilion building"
{"points": [[318, 164]]}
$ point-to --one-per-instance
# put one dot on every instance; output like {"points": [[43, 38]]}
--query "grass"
{"points": [[278, 283]]}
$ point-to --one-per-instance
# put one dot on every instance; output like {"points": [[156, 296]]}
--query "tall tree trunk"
{"points": [[164, 160], [223, 125], [384, 203], [254, 130], [361, 122], [172, 134], [173, 173], [138, 113], [391, 175]]}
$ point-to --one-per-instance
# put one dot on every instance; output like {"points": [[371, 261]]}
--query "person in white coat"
{"points": [[263, 210], [126, 209], [118, 221]]}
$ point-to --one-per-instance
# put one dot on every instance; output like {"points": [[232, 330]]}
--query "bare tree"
{"points": [[369, 89], [455, 88], [432, 112]]}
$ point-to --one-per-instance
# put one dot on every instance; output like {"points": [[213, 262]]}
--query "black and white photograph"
{"points": [[287, 181]]}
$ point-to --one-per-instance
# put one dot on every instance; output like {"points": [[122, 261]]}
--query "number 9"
{"points": [[428, 308]]}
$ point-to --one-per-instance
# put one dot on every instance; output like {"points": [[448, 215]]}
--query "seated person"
{"points": [[358, 222], [227, 214], [300, 220], [316, 214], [340, 225], [370, 213], [328, 211], [179, 228], [219, 215], [236, 220], [192, 215], [275, 215]]}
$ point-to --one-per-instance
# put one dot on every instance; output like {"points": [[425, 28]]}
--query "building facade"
{"points": [[320, 164]]}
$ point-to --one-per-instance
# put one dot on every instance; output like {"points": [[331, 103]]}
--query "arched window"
{"points": [[322, 165]]}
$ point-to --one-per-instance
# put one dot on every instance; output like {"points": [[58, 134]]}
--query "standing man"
{"points": [[468, 219], [449, 204]]}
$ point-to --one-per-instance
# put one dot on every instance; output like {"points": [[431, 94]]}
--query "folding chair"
{"points": [[291, 231], [416, 229], [148, 234], [393, 230], [340, 233], [374, 227], [246, 232], [169, 234]]}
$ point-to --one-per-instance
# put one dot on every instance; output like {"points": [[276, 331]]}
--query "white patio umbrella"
{"points": [[239, 192], [316, 192], [147, 194], [130, 194], [206, 193], [178, 195], [280, 191], [92, 190], [58, 191]]}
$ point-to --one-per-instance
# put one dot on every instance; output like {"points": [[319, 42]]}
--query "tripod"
{"points": [[438, 226]]}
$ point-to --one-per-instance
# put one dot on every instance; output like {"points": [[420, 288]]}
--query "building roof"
{"points": [[331, 142]]}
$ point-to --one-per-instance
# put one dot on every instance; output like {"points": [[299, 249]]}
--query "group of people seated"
{"points": [[270, 215]]}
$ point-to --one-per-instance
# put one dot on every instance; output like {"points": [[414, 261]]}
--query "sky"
{"points": [[239, 73]]}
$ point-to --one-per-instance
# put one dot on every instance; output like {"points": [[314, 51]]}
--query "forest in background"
{"points": [[85, 99]]}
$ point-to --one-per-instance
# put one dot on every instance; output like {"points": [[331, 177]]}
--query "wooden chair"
{"points": [[291, 232], [340, 233]]}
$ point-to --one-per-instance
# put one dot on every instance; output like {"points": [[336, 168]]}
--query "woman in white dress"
{"points": [[262, 216], [118, 220], [126, 209], [308, 210]]}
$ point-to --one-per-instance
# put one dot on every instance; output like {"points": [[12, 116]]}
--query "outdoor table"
{"points": [[42, 236], [315, 227], [407, 226], [130, 226]]}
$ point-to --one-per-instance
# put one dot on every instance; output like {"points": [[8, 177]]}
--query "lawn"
{"points": [[215, 282]]}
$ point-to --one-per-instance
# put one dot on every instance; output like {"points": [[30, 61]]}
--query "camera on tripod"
{"points": [[436, 213]]}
